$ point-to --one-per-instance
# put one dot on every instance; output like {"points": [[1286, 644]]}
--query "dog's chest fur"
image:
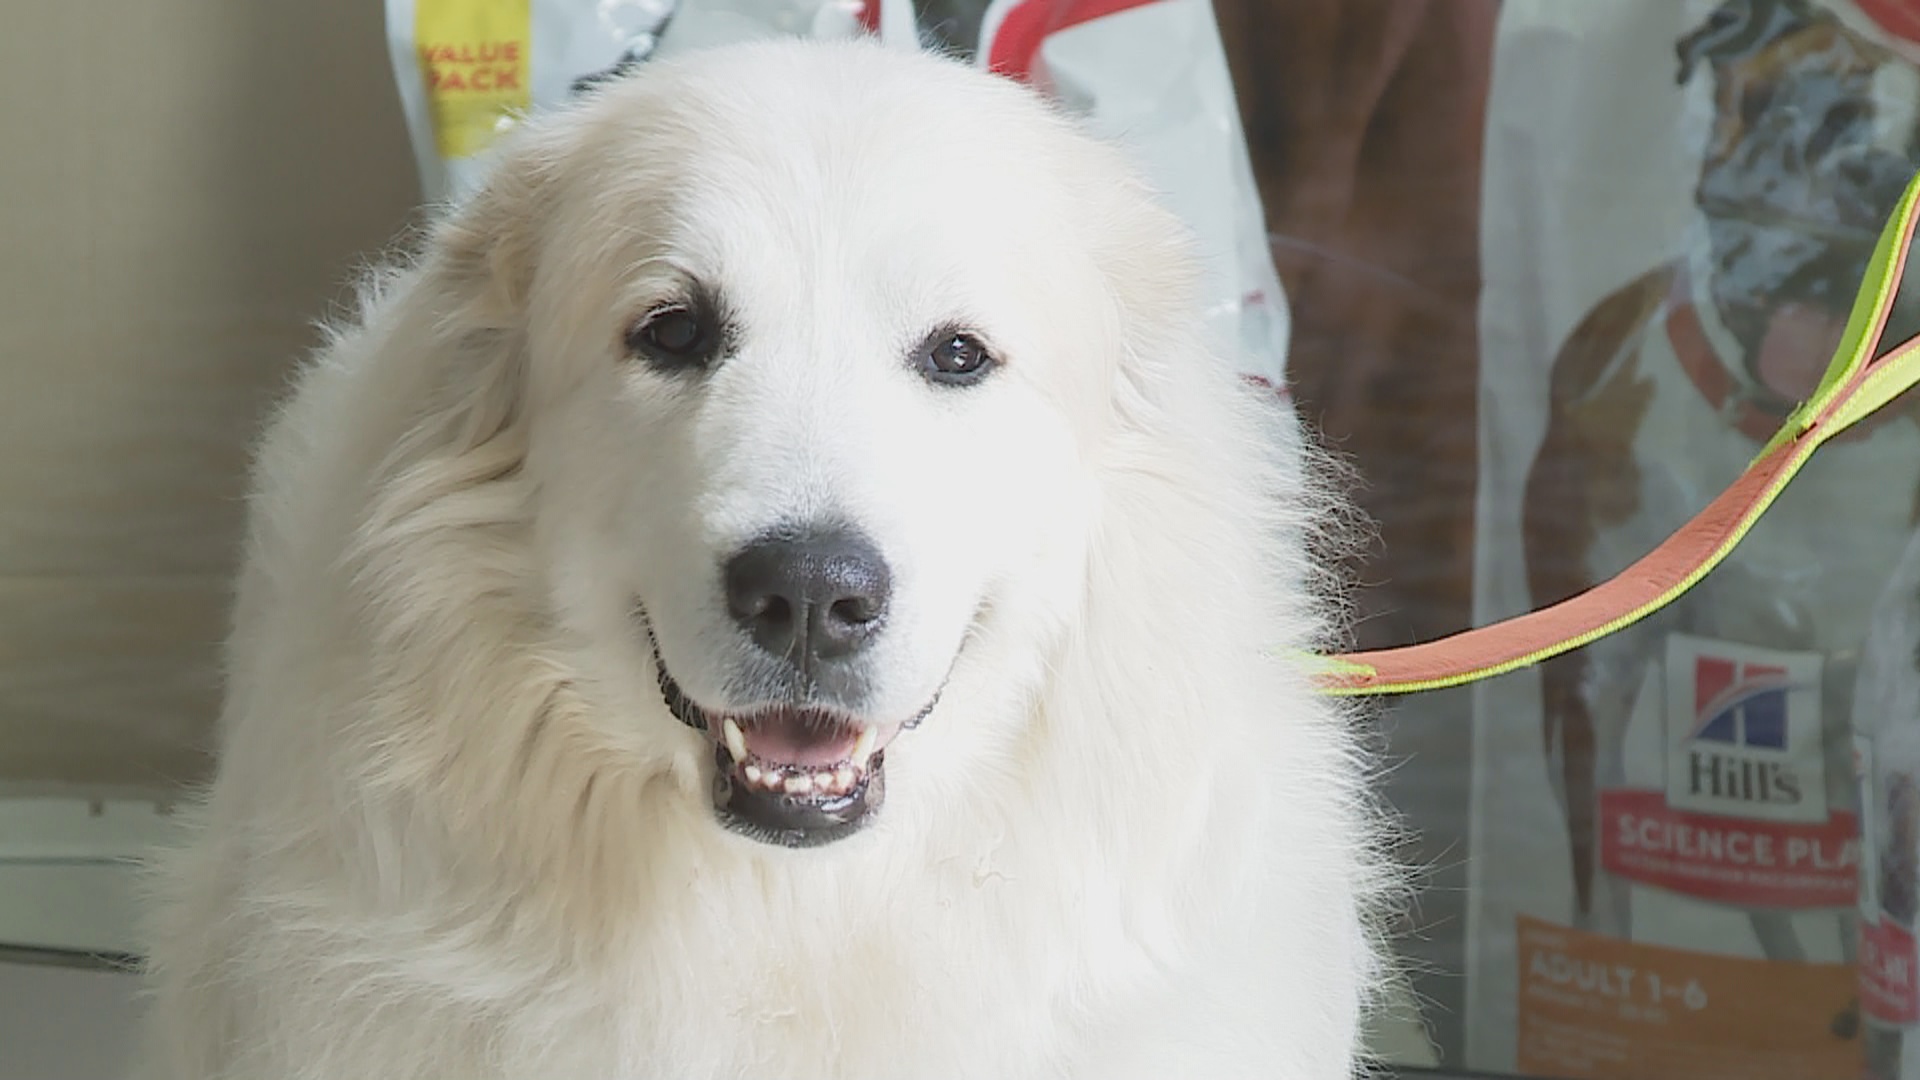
{"points": [[846, 968]]}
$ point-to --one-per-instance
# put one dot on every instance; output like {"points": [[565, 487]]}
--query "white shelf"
{"points": [[68, 874]]}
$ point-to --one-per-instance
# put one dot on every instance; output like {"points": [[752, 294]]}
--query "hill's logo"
{"points": [[1737, 708], [1744, 727]]}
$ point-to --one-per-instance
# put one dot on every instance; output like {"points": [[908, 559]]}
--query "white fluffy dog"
{"points": [[778, 588]]}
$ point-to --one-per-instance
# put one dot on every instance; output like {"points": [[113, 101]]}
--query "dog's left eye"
{"points": [[677, 337], [955, 358]]}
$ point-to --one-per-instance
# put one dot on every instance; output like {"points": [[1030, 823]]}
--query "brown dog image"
{"points": [[1669, 386]]}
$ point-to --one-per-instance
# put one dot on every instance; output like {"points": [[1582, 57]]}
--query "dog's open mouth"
{"points": [[802, 753], [795, 776], [798, 777]]}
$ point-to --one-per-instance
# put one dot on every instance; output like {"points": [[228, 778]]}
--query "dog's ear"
{"points": [[1740, 28], [486, 245], [476, 273], [1150, 263]]}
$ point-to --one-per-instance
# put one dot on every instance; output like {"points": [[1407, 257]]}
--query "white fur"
{"points": [[456, 833]]}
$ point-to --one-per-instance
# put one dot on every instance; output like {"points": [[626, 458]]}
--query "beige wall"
{"points": [[184, 187]]}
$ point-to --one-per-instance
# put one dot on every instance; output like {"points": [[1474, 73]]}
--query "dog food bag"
{"points": [[1887, 764], [1151, 72], [1680, 197]]}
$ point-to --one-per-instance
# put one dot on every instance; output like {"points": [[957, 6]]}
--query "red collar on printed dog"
{"points": [[1861, 379]]}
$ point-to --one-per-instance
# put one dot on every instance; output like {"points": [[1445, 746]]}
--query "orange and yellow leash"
{"points": [[1860, 380]]}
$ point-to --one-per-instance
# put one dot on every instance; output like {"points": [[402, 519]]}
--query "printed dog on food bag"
{"points": [[1664, 392], [779, 587]]}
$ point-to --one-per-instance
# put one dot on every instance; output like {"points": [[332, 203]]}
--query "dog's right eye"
{"points": [[674, 338], [951, 357]]}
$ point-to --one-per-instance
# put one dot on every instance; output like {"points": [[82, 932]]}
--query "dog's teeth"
{"points": [[799, 784], [753, 774], [843, 779], [863, 747], [736, 742]]}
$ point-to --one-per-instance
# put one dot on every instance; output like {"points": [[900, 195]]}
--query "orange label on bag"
{"points": [[1599, 1008], [474, 57]]}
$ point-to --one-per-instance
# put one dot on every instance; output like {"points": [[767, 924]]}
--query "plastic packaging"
{"points": [[1887, 764], [1680, 199], [1151, 74]]}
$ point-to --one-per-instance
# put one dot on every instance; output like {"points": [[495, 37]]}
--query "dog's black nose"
{"points": [[818, 596]]}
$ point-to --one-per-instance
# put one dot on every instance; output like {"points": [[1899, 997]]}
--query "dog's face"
{"points": [[816, 340], [1815, 131]]}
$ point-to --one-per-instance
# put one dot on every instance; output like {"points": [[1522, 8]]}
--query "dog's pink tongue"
{"points": [[1800, 341], [788, 742]]}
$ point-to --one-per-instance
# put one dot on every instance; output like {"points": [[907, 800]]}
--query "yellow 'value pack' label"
{"points": [[474, 57]]}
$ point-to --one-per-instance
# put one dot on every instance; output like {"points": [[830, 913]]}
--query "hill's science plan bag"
{"points": [[1680, 199]]}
